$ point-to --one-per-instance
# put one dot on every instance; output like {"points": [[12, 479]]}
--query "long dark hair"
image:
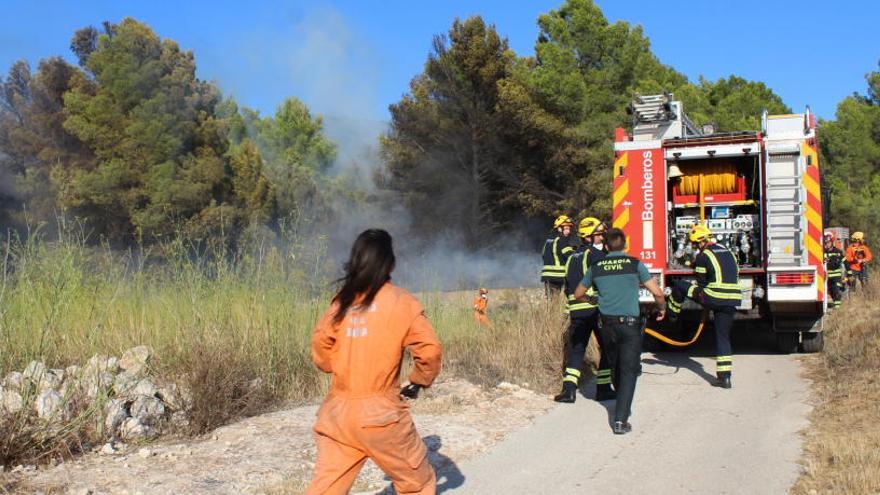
{"points": [[368, 268]]}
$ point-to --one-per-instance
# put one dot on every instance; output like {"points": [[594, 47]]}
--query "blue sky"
{"points": [[352, 58]]}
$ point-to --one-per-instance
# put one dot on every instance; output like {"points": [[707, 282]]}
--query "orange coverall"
{"points": [[480, 306], [856, 262], [363, 415]]}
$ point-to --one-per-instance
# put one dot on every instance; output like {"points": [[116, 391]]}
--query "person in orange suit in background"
{"points": [[360, 340], [481, 305]]}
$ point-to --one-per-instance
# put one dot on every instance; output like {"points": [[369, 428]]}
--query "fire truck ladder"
{"points": [[784, 213]]}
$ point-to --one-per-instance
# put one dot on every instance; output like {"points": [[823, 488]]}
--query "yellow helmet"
{"points": [[699, 233], [589, 226], [561, 221], [858, 236]]}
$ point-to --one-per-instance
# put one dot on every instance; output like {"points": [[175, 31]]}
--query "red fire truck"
{"points": [[758, 191]]}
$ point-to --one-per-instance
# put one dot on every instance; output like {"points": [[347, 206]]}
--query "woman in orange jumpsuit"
{"points": [[360, 340]]}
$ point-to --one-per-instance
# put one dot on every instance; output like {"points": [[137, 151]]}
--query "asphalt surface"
{"points": [[688, 437]]}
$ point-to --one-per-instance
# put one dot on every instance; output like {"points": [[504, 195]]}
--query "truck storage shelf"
{"points": [[716, 203]]}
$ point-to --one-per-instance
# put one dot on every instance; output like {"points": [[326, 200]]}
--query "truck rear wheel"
{"points": [[787, 342], [812, 342]]}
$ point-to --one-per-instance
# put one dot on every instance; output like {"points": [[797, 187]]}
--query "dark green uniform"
{"points": [[834, 260], [584, 320], [555, 255], [717, 290], [617, 278]]}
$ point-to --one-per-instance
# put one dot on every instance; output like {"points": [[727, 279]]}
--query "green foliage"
{"points": [[446, 151], [135, 144], [850, 147], [522, 139]]}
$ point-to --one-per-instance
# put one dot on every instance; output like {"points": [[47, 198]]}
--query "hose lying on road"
{"points": [[659, 336]]}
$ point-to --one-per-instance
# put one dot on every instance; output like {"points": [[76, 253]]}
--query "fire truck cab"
{"points": [[758, 191]]}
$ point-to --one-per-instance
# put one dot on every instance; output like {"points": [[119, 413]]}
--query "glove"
{"points": [[410, 391]]}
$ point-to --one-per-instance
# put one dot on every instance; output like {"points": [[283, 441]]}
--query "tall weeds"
{"points": [[843, 441]]}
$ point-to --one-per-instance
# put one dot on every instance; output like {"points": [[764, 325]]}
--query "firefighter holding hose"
{"points": [[584, 315], [717, 289], [555, 254]]}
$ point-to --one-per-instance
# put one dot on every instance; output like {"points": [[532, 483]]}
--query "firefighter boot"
{"points": [[568, 394], [723, 381], [621, 427], [603, 385]]}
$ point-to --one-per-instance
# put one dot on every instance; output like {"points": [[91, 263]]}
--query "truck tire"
{"points": [[787, 342], [812, 342]]}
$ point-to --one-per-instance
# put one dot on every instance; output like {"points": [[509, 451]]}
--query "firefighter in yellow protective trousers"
{"points": [[717, 289], [555, 254], [584, 315]]}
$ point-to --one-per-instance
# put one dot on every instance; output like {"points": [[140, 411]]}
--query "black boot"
{"points": [[605, 393], [723, 382], [568, 394], [621, 427]]}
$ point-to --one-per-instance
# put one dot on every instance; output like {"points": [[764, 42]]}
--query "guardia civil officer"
{"points": [[616, 278]]}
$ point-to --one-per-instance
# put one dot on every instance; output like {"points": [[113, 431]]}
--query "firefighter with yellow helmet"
{"points": [[717, 289], [555, 254], [584, 315]]}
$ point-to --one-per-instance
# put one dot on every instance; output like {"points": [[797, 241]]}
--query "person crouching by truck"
{"points": [[616, 278], [360, 340], [555, 254]]}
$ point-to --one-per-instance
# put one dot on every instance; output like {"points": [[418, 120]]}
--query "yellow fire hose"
{"points": [[659, 336]]}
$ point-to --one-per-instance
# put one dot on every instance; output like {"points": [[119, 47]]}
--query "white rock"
{"points": [[96, 383], [507, 386], [49, 381], [48, 403], [98, 363], [148, 410], [115, 414], [34, 371], [125, 383], [71, 372], [172, 395], [132, 429], [146, 387], [14, 380], [59, 372], [146, 453], [136, 359], [108, 449], [11, 401], [80, 491]]}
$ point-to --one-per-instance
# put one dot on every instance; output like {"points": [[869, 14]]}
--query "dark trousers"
{"points": [[835, 287], [624, 348], [577, 341], [723, 316], [552, 287]]}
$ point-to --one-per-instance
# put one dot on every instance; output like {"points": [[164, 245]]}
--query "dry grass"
{"points": [[235, 333], [843, 443]]}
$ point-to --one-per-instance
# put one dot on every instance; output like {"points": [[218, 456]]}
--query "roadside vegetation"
{"points": [[843, 440], [233, 330]]}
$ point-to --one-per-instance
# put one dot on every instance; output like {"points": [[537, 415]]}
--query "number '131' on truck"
{"points": [[759, 192]]}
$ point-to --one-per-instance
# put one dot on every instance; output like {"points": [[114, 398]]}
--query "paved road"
{"points": [[688, 437]]}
